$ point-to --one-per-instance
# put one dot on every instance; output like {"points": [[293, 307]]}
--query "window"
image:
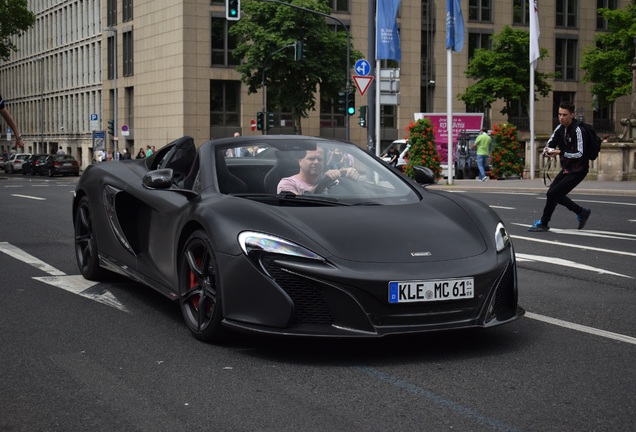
{"points": [[477, 41], [566, 13], [480, 10], [603, 121], [225, 103], [111, 56], [128, 56], [111, 12], [388, 116], [520, 12], [222, 43], [565, 59], [340, 5], [601, 24], [127, 10], [329, 114]]}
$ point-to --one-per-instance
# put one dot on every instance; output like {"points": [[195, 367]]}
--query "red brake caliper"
{"points": [[193, 283]]}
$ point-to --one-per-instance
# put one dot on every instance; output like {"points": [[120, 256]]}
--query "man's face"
{"points": [[565, 117], [313, 162]]}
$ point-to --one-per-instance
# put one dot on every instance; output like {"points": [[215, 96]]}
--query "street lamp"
{"points": [[115, 136]]}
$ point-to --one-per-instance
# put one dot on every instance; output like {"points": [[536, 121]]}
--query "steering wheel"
{"points": [[341, 186]]}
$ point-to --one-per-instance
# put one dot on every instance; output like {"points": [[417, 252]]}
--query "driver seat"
{"points": [[286, 165]]}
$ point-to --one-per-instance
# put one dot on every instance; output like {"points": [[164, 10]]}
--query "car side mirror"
{"points": [[158, 179], [423, 175], [162, 179]]}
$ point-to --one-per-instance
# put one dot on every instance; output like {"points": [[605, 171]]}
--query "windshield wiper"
{"points": [[318, 199]]}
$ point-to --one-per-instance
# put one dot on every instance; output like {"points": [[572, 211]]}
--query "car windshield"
{"points": [[310, 170]]}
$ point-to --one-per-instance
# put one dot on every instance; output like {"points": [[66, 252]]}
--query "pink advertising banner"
{"points": [[461, 121]]}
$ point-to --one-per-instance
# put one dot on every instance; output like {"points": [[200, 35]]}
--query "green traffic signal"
{"points": [[260, 120], [232, 10], [351, 103]]}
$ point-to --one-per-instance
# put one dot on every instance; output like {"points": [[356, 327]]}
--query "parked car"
{"points": [[213, 233], [33, 164], [60, 165], [466, 157], [14, 164]]}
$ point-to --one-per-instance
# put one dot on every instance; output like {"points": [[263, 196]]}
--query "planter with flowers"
{"points": [[422, 150], [506, 158]]}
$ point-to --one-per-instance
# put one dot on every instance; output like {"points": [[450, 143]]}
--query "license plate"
{"points": [[66, 164], [433, 290]]}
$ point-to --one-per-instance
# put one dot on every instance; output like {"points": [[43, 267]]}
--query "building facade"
{"points": [[169, 63]]}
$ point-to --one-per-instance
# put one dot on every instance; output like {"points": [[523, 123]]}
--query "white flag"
{"points": [[534, 31]]}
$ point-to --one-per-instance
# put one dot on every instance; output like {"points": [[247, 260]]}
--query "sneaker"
{"points": [[483, 179], [537, 226], [583, 217]]}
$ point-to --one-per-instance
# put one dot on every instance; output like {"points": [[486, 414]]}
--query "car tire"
{"points": [[199, 292], [86, 252]]}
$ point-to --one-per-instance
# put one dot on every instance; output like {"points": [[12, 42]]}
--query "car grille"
{"points": [[506, 296], [310, 306]]}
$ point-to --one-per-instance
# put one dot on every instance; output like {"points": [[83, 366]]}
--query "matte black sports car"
{"points": [[364, 251]]}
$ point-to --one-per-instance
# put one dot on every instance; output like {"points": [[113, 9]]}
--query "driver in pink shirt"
{"points": [[311, 172]]}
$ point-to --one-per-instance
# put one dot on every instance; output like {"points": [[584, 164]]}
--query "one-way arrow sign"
{"points": [[362, 82]]}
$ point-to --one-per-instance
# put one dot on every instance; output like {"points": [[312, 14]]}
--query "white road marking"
{"points": [[588, 233], [598, 202], [21, 255], [565, 263], [75, 284], [29, 197], [557, 243], [582, 328]]}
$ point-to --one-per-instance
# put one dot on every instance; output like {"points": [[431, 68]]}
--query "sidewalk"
{"points": [[624, 188]]}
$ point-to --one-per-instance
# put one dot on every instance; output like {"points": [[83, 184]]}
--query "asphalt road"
{"points": [[117, 356]]}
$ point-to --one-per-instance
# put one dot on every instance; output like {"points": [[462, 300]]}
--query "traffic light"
{"points": [[351, 103], [111, 127], [363, 116], [232, 10], [259, 120], [342, 102], [270, 120]]}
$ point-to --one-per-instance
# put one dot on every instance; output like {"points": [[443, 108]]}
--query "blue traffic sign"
{"points": [[362, 67], [93, 117]]}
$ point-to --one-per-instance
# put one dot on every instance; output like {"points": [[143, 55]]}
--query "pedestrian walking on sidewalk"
{"points": [[482, 143], [567, 141]]}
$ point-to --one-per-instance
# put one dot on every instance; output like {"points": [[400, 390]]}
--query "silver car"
{"points": [[14, 164]]}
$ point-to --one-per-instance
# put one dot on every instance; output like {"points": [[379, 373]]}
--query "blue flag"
{"points": [[454, 25], [387, 35]]}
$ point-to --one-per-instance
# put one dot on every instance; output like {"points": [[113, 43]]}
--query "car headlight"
{"points": [[255, 242], [501, 237]]}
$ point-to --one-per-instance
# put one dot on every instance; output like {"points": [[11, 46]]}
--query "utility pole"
{"points": [[116, 134]]}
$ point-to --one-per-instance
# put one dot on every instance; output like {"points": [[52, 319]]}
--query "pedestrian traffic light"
{"points": [[111, 127], [232, 10], [259, 120], [363, 116], [270, 120], [342, 102], [351, 103]]}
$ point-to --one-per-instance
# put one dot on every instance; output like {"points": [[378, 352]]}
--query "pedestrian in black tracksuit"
{"points": [[567, 141]]}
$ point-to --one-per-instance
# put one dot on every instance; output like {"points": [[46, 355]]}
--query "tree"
{"points": [[15, 18], [608, 63], [503, 72], [265, 28]]}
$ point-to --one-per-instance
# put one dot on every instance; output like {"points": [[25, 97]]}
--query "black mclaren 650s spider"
{"points": [[360, 250]]}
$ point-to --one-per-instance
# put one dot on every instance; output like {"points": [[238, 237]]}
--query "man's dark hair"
{"points": [[567, 105]]}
